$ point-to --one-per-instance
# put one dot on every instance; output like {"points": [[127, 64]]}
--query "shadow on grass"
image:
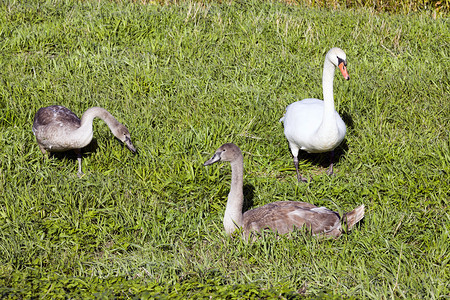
{"points": [[348, 120], [249, 194], [72, 156], [323, 159]]}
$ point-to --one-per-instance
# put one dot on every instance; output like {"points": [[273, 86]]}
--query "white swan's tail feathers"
{"points": [[354, 216]]}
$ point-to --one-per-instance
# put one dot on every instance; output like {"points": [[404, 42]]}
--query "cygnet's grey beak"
{"points": [[129, 145], [214, 159]]}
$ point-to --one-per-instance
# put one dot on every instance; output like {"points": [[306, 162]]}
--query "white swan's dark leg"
{"points": [[330, 169], [300, 178], [295, 150]]}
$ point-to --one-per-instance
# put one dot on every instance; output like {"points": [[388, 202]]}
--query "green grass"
{"points": [[184, 79], [436, 7]]}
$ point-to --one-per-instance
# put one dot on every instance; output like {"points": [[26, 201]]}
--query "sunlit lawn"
{"points": [[185, 79]]}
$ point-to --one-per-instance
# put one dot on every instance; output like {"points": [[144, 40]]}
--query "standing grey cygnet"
{"points": [[58, 129]]}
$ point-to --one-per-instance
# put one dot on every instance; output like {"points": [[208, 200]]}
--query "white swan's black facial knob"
{"points": [[342, 65]]}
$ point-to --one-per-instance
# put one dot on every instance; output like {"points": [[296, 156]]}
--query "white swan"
{"points": [[314, 125], [58, 129], [280, 216]]}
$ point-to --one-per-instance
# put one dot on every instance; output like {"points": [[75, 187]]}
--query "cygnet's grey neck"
{"points": [[233, 212], [84, 134]]}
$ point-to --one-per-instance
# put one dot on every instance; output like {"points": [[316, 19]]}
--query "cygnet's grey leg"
{"points": [[80, 171], [45, 152]]}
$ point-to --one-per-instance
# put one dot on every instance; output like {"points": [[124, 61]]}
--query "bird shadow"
{"points": [[71, 154], [324, 159], [347, 118], [249, 194]]}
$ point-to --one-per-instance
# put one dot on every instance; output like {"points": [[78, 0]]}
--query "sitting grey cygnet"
{"points": [[58, 129], [281, 217]]}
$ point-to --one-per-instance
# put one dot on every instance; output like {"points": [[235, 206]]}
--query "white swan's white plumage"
{"points": [[313, 125]]}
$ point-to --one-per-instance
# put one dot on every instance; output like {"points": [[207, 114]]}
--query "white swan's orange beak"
{"points": [[344, 71]]}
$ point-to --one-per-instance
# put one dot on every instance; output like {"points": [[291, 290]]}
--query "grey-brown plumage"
{"points": [[58, 129], [282, 216]]}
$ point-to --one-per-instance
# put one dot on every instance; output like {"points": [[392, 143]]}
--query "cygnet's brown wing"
{"points": [[55, 115], [283, 216], [52, 126]]}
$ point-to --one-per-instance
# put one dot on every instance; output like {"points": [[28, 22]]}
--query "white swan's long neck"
{"points": [[84, 134], [329, 116], [233, 212]]}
